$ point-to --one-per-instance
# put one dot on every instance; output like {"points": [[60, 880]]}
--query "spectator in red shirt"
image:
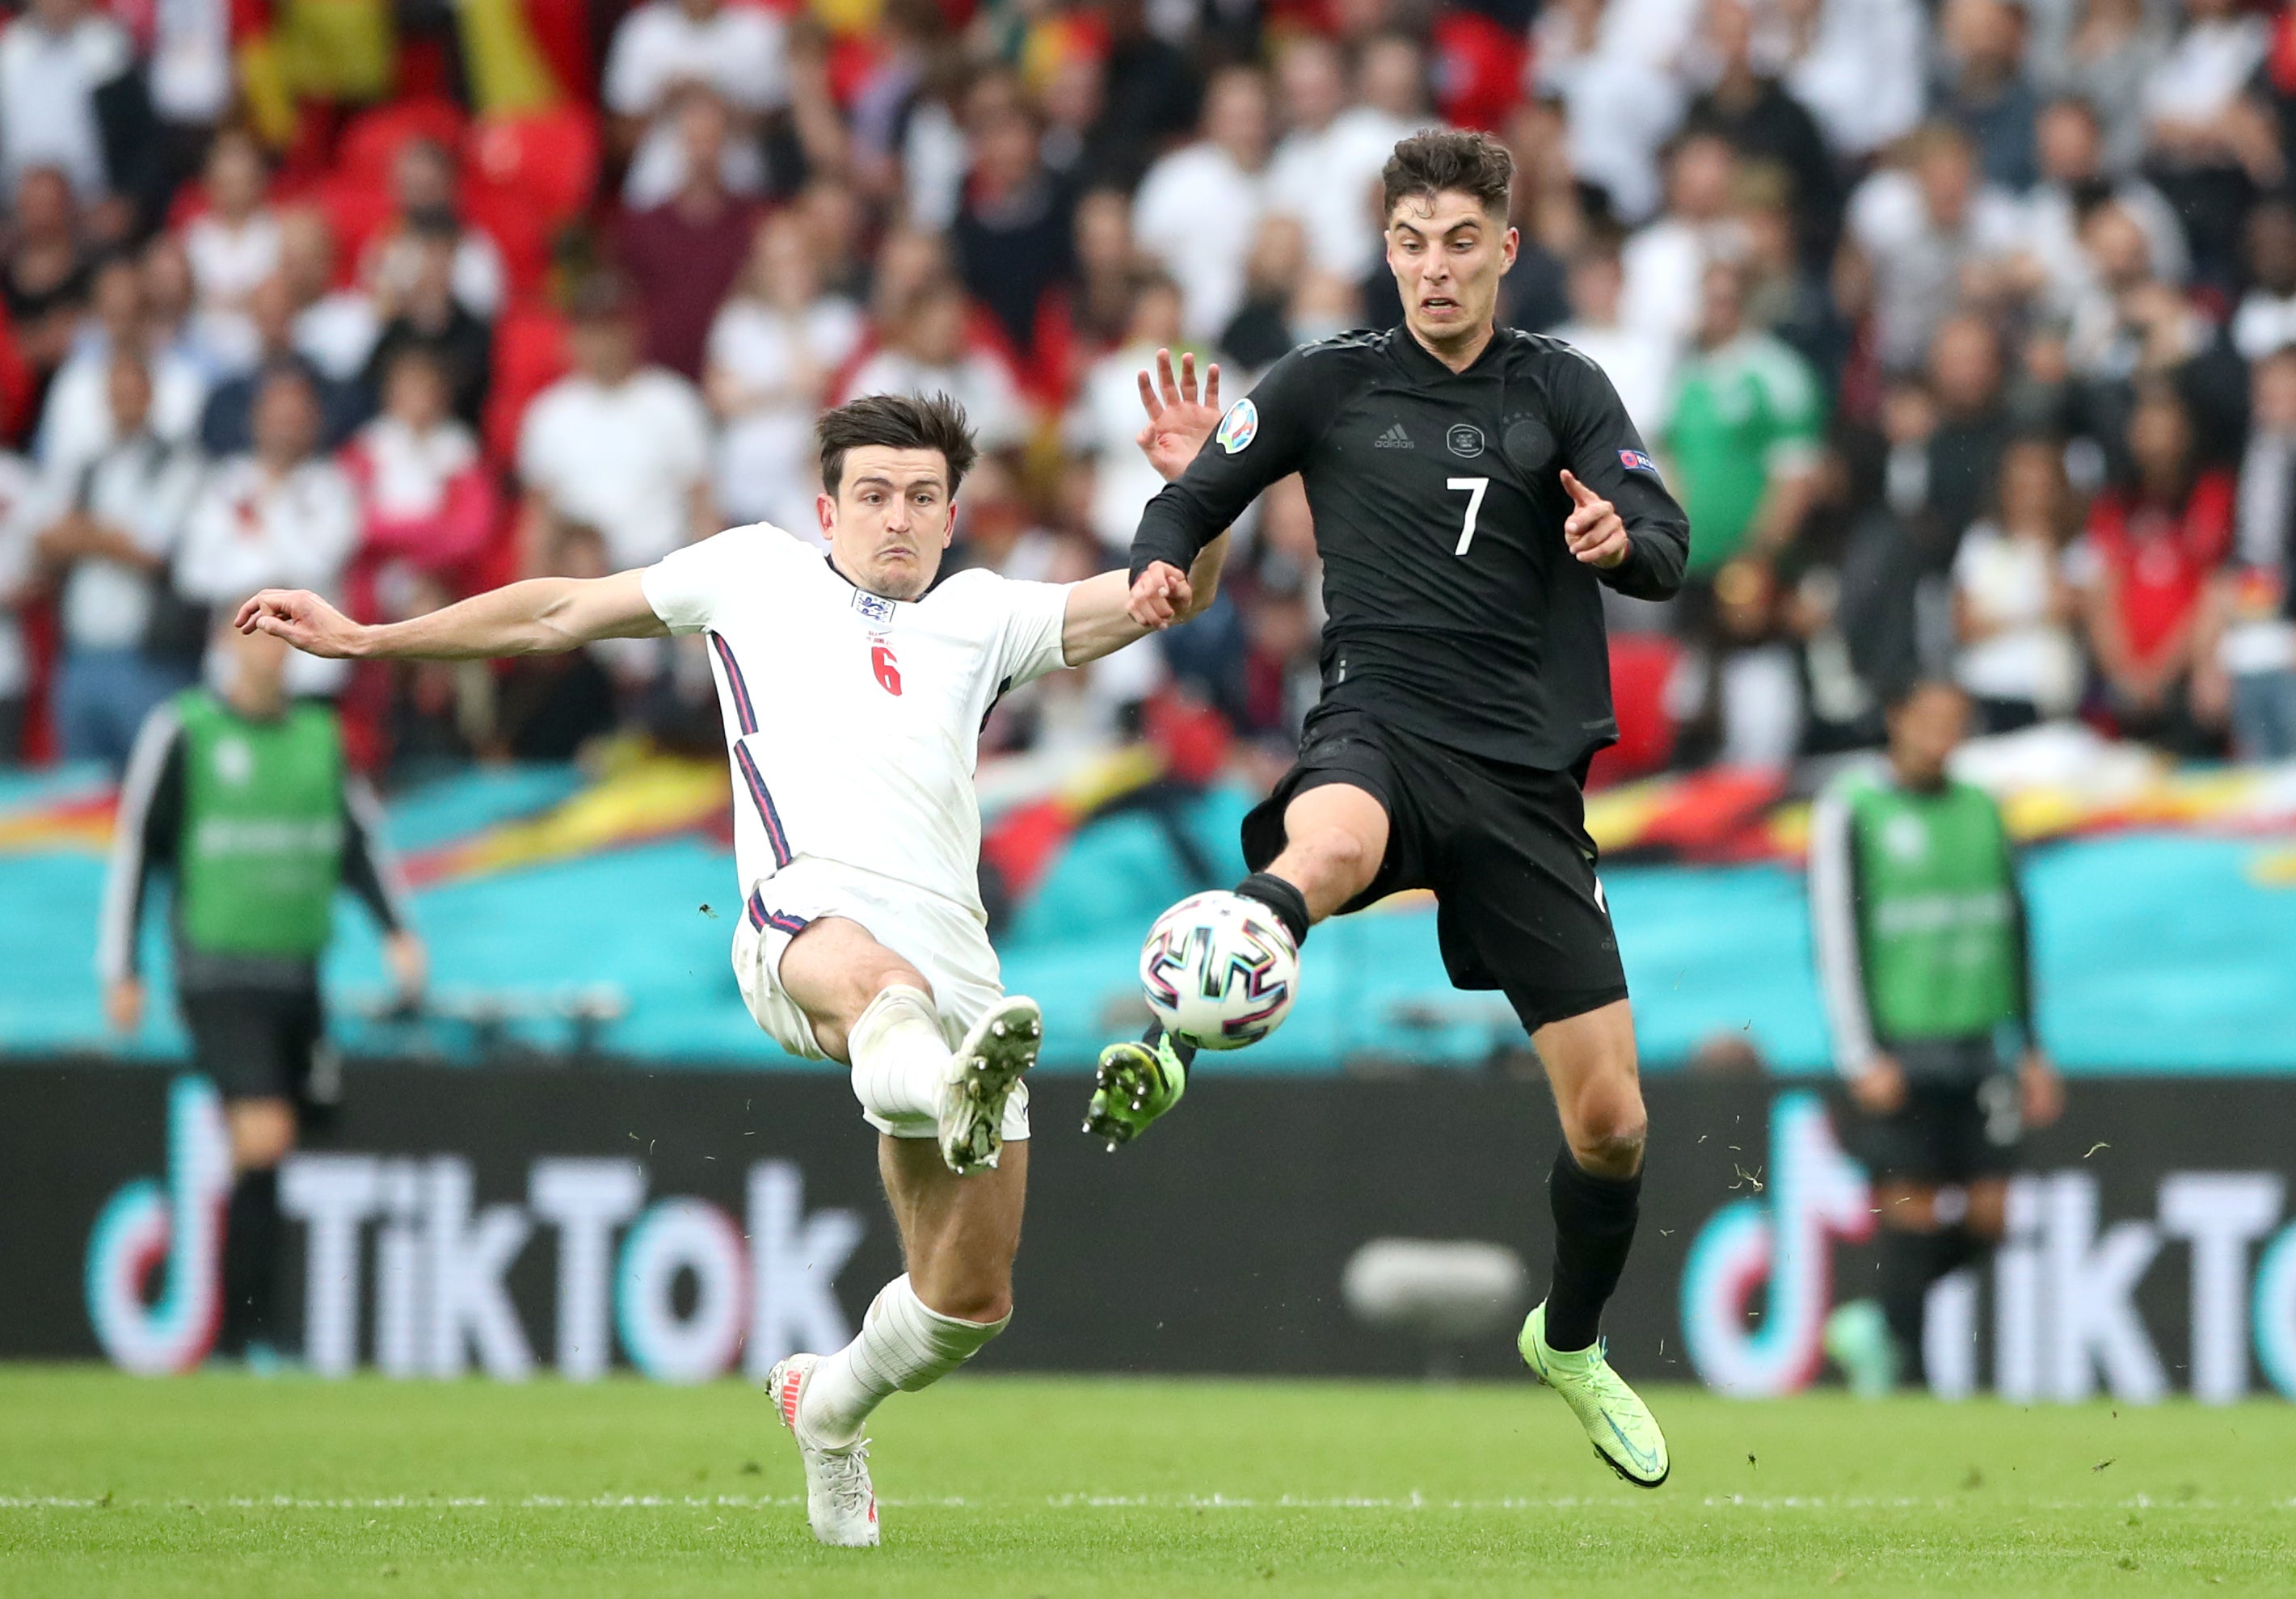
{"points": [[2152, 546], [427, 504], [685, 254]]}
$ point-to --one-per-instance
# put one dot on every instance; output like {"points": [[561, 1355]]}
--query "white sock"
{"points": [[902, 1345], [900, 1054]]}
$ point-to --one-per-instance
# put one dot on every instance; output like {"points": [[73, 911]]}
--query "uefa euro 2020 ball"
{"points": [[1220, 971]]}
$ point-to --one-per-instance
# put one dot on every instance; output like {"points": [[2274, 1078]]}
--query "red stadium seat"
{"points": [[549, 157], [1641, 664], [518, 230], [374, 138], [530, 355]]}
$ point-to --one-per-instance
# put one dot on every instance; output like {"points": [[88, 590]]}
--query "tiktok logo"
{"points": [[145, 1224], [1782, 1238]]}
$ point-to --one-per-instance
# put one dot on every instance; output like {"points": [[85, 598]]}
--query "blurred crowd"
{"points": [[1965, 331]]}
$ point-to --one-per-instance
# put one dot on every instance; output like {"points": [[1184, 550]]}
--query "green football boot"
{"points": [[1136, 1083], [1857, 1337], [1619, 1425]]}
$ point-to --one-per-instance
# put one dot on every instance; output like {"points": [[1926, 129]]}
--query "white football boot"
{"points": [[982, 1074], [839, 1499]]}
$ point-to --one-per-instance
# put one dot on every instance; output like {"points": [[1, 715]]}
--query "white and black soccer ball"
{"points": [[1220, 971]]}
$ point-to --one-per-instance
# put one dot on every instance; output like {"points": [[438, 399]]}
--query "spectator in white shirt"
{"points": [[1856, 64], [71, 97], [2069, 143], [1932, 234], [232, 246], [614, 445], [1199, 208], [2108, 57], [738, 51], [423, 182], [111, 535], [1325, 170], [2013, 607], [1665, 261], [1621, 102], [335, 328], [283, 516], [777, 345], [76, 420], [2265, 321], [1104, 421], [1639, 364], [929, 349], [2208, 141], [2253, 602]]}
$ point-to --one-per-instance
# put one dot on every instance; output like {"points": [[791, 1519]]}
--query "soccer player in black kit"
{"points": [[1471, 485]]}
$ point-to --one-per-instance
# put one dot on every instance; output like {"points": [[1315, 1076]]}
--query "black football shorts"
{"points": [[1504, 848], [1946, 1131], [255, 1042]]}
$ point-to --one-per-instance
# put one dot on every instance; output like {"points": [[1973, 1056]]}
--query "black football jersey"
{"points": [[1457, 610]]}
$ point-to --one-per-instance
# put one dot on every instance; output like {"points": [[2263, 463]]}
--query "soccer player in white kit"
{"points": [[854, 693]]}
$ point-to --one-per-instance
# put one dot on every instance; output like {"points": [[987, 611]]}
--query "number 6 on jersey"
{"points": [[1474, 487]]}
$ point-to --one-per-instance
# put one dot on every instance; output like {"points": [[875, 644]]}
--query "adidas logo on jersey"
{"points": [[1394, 439]]}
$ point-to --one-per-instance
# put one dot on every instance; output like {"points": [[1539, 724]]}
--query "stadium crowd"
{"points": [[1966, 332]]}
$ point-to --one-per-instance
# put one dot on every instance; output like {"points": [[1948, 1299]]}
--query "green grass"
{"points": [[226, 1485]]}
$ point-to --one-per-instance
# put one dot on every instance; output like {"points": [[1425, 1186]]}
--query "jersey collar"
{"points": [[1423, 364]]}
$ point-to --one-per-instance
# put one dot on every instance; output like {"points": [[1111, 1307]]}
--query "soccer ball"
{"points": [[1220, 971]]}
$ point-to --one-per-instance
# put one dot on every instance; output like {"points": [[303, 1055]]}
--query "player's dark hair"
{"points": [[898, 422], [1445, 160]]}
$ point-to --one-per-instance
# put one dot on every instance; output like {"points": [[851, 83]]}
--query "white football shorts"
{"points": [[940, 938]]}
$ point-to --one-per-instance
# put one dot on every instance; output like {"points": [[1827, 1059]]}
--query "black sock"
{"points": [[1909, 1264], [1156, 1034], [250, 1263], [1289, 904], [1594, 1229]]}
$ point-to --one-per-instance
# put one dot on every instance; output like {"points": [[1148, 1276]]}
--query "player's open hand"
{"points": [[1179, 420], [1160, 597], [1592, 531], [303, 620]]}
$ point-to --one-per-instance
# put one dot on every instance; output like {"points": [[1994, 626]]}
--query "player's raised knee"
{"points": [[1610, 1140]]}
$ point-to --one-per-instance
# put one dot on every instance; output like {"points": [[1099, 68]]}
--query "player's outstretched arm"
{"points": [[1103, 613], [542, 616]]}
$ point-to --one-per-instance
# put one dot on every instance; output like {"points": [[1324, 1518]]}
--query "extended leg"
{"points": [[955, 1187], [1595, 1190], [874, 1009], [1334, 840], [1596, 1183], [958, 1237]]}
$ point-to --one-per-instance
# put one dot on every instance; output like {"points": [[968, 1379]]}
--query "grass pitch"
{"points": [[224, 1485]]}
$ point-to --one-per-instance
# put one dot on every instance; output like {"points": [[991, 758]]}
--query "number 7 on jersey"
{"points": [[1474, 487]]}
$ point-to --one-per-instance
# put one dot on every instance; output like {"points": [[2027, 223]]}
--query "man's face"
{"points": [[891, 517], [1926, 730], [1447, 255], [286, 423]]}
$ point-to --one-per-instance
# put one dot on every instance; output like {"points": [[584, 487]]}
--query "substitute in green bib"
{"points": [[242, 796], [1919, 929]]}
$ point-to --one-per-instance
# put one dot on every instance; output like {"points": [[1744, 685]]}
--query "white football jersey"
{"points": [[854, 721]]}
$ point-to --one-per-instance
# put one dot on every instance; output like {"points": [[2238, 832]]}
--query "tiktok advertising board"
{"points": [[691, 1224]]}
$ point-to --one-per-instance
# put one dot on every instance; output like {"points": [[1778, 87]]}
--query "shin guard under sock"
{"points": [[1594, 1228]]}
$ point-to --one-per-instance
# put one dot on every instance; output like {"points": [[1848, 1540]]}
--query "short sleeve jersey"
{"points": [[853, 721], [1741, 414]]}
